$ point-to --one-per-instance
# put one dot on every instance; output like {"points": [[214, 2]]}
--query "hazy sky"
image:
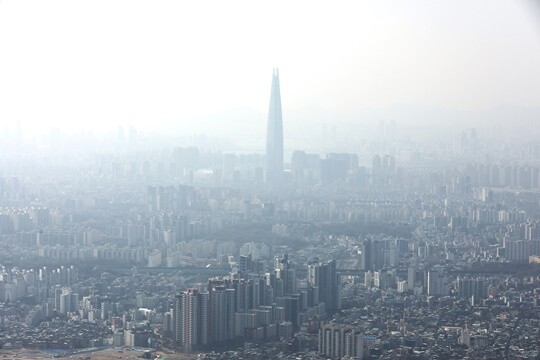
{"points": [[162, 64]]}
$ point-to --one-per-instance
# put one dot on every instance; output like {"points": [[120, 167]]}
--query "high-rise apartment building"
{"points": [[325, 279], [338, 341], [222, 309], [436, 283], [285, 276], [68, 301], [474, 289], [192, 319], [274, 134]]}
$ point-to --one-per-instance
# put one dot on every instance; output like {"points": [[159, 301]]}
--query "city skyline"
{"points": [[157, 201]]}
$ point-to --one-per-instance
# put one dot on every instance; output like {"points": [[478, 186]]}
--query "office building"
{"points": [[274, 134]]}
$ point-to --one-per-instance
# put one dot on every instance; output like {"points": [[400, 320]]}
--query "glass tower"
{"points": [[274, 134]]}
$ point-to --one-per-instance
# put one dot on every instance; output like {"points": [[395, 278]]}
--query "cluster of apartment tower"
{"points": [[252, 306]]}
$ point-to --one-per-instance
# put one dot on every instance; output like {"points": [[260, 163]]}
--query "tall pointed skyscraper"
{"points": [[274, 135]]}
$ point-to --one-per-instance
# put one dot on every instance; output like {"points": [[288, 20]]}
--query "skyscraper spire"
{"points": [[274, 134]]}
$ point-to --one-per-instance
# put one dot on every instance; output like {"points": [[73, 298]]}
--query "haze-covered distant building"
{"points": [[274, 134]]}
